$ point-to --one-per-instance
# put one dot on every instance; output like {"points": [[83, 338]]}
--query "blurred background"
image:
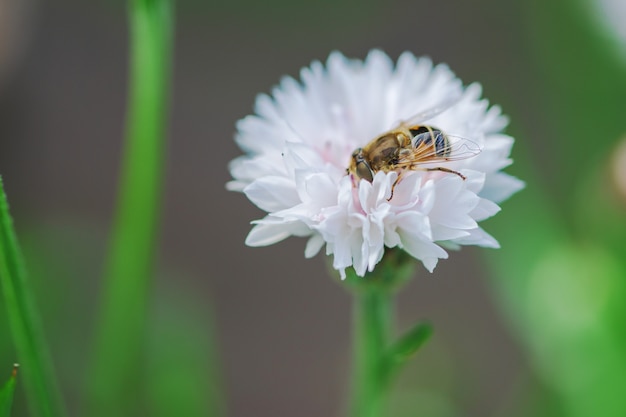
{"points": [[535, 328]]}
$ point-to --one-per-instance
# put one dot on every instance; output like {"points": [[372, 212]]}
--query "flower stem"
{"points": [[372, 325], [44, 398], [113, 381]]}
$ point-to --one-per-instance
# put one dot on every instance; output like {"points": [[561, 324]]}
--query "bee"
{"points": [[408, 147]]}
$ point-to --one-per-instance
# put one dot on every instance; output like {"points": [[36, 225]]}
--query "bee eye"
{"points": [[364, 171]]}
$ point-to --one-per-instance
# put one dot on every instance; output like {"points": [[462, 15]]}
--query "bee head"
{"points": [[360, 167]]}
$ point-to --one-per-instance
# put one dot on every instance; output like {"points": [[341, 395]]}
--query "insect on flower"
{"points": [[410, 182], [408, 147]]}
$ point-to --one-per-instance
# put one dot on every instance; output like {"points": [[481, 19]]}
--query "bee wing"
{"points": [[431, 112], [454, 148]]}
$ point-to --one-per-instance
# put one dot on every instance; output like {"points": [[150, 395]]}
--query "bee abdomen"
{"points": [[431, 137]]}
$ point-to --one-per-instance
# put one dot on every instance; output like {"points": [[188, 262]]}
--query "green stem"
{"points": [[114, 378], [372, 325], [44, 398]]}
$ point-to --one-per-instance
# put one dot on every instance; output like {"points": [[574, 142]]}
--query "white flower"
{"points": [[300, 141]]}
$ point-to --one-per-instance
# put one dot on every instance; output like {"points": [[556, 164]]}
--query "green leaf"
{"points": [[410, 343], [43, 394], [402, 350], [6, 394]]}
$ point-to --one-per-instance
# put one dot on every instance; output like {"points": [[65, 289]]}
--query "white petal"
{"points": [[300, 156], [246, 170], [475, 180], [414, 223], [430, 263], [494, 121], [265, 107], [406, 193], [453, 204], [428, 196], [318, 189], [264, 234], [500, 186], [427, 252], [236, 185], [480, 238], [484, 210], [313, 245], [494, 155], [440, 232], [343, 250], [258, 135], [272, 193]]}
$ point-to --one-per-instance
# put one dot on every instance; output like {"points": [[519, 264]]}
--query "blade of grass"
{"points": [[44, 398], [113, 381], [6, 394]]}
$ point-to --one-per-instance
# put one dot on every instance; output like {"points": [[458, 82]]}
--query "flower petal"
{"points": [[500, 186], [272, 193], [313, 245], [264, 234]]}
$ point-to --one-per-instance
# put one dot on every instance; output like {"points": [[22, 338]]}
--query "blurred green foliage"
{"points": [[562, 270], [129, 267], [179, 359], [6, 394], [182, 373]]}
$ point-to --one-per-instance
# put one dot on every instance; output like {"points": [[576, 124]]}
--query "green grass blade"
{"points": [[116, 366], [43, 395], [6, 394]]}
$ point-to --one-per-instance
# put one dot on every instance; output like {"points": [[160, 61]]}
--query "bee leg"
{"points": [[394, 185], [463, 177]]}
